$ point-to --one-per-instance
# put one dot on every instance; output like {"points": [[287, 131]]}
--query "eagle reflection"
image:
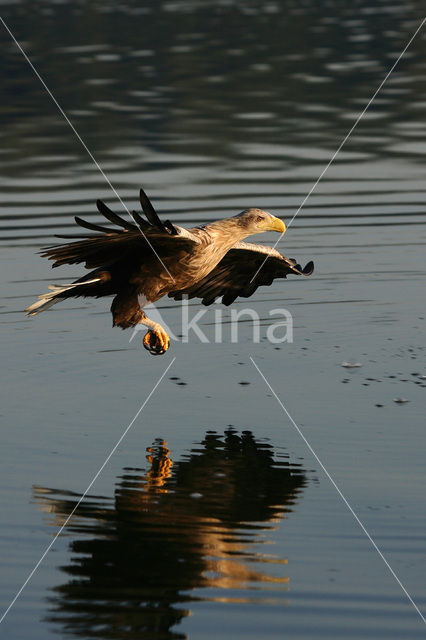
{"points": [[171, 529]]}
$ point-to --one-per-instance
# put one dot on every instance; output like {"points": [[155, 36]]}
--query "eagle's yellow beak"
{"points": [[277, 225]]}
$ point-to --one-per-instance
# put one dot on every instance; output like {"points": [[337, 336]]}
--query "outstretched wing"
{"points": [[238, 274], [127, 241]]}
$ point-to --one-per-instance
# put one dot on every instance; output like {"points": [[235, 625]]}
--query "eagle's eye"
{"points": [[260, 218]]}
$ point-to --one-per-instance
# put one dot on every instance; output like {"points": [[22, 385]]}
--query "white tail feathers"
{"points": [[53, 296]]}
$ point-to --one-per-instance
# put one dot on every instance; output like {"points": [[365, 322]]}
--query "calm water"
{"points": [[212, 518]]}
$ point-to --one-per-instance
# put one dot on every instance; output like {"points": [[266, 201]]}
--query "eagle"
{"points": [[139, 262]]}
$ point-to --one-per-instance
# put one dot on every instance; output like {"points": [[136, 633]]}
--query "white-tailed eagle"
{"points": [[139, 263]]}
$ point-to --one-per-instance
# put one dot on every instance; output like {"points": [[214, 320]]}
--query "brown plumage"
{"points": [[140, 262]]}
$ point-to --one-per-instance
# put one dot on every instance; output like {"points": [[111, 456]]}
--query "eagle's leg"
{"points": [[127, 312], [156, 340]]}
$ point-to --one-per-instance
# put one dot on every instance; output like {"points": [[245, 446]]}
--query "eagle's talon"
{"points": [[156, 342]]}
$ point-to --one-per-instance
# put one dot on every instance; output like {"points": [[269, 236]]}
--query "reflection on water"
{"points": [[196, 523], [213, 106]]}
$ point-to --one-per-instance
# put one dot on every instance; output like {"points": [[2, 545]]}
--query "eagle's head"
{"points": [[258, 221]]}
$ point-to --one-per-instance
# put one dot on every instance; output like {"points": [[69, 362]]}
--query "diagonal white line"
{"points": [[346, 138], [361, 115], [299, 431], [101, 468], [80, 139]]}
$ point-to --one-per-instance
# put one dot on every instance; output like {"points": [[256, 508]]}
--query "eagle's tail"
{"points": [[55, 294]]}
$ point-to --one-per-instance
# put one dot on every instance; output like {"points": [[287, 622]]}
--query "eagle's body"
{"points": [[140, 263]]}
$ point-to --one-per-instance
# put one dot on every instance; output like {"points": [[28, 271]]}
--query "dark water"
{"points": [[199, 523], [229, 528]]}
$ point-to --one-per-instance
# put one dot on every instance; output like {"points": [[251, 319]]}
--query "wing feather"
{"points": [[241, 272], [105, 250], [114, 217], [140, 222], [150, 212], [131, 243], [92, 226]]}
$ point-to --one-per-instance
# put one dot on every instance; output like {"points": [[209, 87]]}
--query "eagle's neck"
{"points": [[225, 233]]}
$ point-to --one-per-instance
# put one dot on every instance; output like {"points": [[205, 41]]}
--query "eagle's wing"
{"points": [[233, 276], [129, 242]]}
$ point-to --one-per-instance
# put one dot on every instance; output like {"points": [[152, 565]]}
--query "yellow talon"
{"points": [[156, 342]]}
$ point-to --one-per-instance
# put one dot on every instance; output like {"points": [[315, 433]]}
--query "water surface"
{"points": [[229, 528]]}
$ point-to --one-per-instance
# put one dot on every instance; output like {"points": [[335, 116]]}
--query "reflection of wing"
{"points": [[136, 562], [233, 275], [129, 242]]}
